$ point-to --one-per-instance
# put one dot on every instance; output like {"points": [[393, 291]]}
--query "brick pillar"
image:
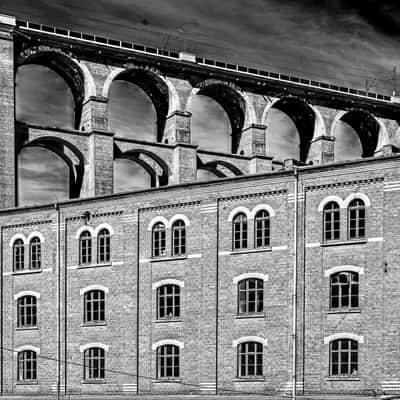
{"points": [[322, 150], [94, 114], [7, 107], [258, 164], [252, 141], [184, 164], [177, 128], [99, 168]]}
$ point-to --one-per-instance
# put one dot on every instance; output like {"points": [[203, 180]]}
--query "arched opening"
{"points": [[215, 169], [141, 169], [290, 123], [218, 126], [131, 113], [43, 177], [204, 175], [139, 102], [356, 135], [41, 167], [62, 65], [130, 176], [43, 98], [210, 126]]}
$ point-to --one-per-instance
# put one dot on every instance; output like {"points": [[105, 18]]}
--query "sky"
{"points": [[340, 41]]}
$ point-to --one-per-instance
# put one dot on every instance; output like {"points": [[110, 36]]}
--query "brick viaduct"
{"points": [[90, 64]]}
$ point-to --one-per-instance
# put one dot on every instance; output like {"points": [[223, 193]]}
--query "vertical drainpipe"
{"points": [[137, 299], [1, 314], [294, 290], [58, 302], [217, 302]]}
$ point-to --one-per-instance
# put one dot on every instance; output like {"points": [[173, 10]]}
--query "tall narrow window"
{"points": [[343, 357], [331, 221], [27, 312], [18, 255], [344, 290], [262, 229], [35, 253], [27, 366], [85, 248], [159, 240], [94, 306], [250, 360], [178, 238], [168, 298], [94, 364], [356, 219], [251, 296], [239, 226], [104, 246], [168, 362]]}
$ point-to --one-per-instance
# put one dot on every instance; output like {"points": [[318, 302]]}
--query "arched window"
{"points": [[356, 219], [262, 229], [344, 290], [85, 248], [159, 239], [94, 364], [331, 221], [104, 246], [178, 238], [168, 302], [251, 296], [26, 312], [250, 360], [343, 357], [35, 253], [239, 227], [94, 307], [27, 366], [19, 255], [168, 362]]}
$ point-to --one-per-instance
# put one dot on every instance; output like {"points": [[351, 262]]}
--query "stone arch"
{"points": [[76, 75], [152, 163], [217, 167], [368, 128], [307, 119], [67, 152], [161, 92], [233, 100]]}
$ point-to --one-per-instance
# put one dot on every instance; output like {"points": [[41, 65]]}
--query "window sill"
{"points": [[164, 258], [166, 380], [252, 379], [343, 242], [166, 320], [94, 381], [23, 383], [27, 328], [246, 251], [92, 324], [343, 378], [28, 271], [252, 315], [345, 311], [84, 266]]}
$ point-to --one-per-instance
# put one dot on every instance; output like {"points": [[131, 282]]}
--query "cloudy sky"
{"points": [[341, 41]]}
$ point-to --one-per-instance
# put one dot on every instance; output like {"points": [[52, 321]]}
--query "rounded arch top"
{"points": [[354, 196], [245, 339], [163, 342], [343, 335], [328, 199], [239, 210]]}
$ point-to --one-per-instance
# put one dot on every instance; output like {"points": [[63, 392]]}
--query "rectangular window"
{"points": [[27, 367]]}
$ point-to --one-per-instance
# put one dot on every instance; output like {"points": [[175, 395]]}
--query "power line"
{"points": [[120, 372]]}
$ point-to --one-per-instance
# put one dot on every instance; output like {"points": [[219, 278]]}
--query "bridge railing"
{"points": [[71, 34]]}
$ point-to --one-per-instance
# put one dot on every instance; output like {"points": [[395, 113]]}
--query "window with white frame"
{"points": [[35, 253], [356, 219], [239, 231], [85, 248], [343, 358], [26, 312], [344, 290], [27, 366], [168, 362], [104, 246], [19, 255], [94, 364], [94, 306], [168, 301], [158, 240], [178, 238], [250, 296], [262, 229], [331, 224], [250, 360]]}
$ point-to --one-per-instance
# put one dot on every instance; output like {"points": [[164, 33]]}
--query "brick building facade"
{"points": [[200, 287]]}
